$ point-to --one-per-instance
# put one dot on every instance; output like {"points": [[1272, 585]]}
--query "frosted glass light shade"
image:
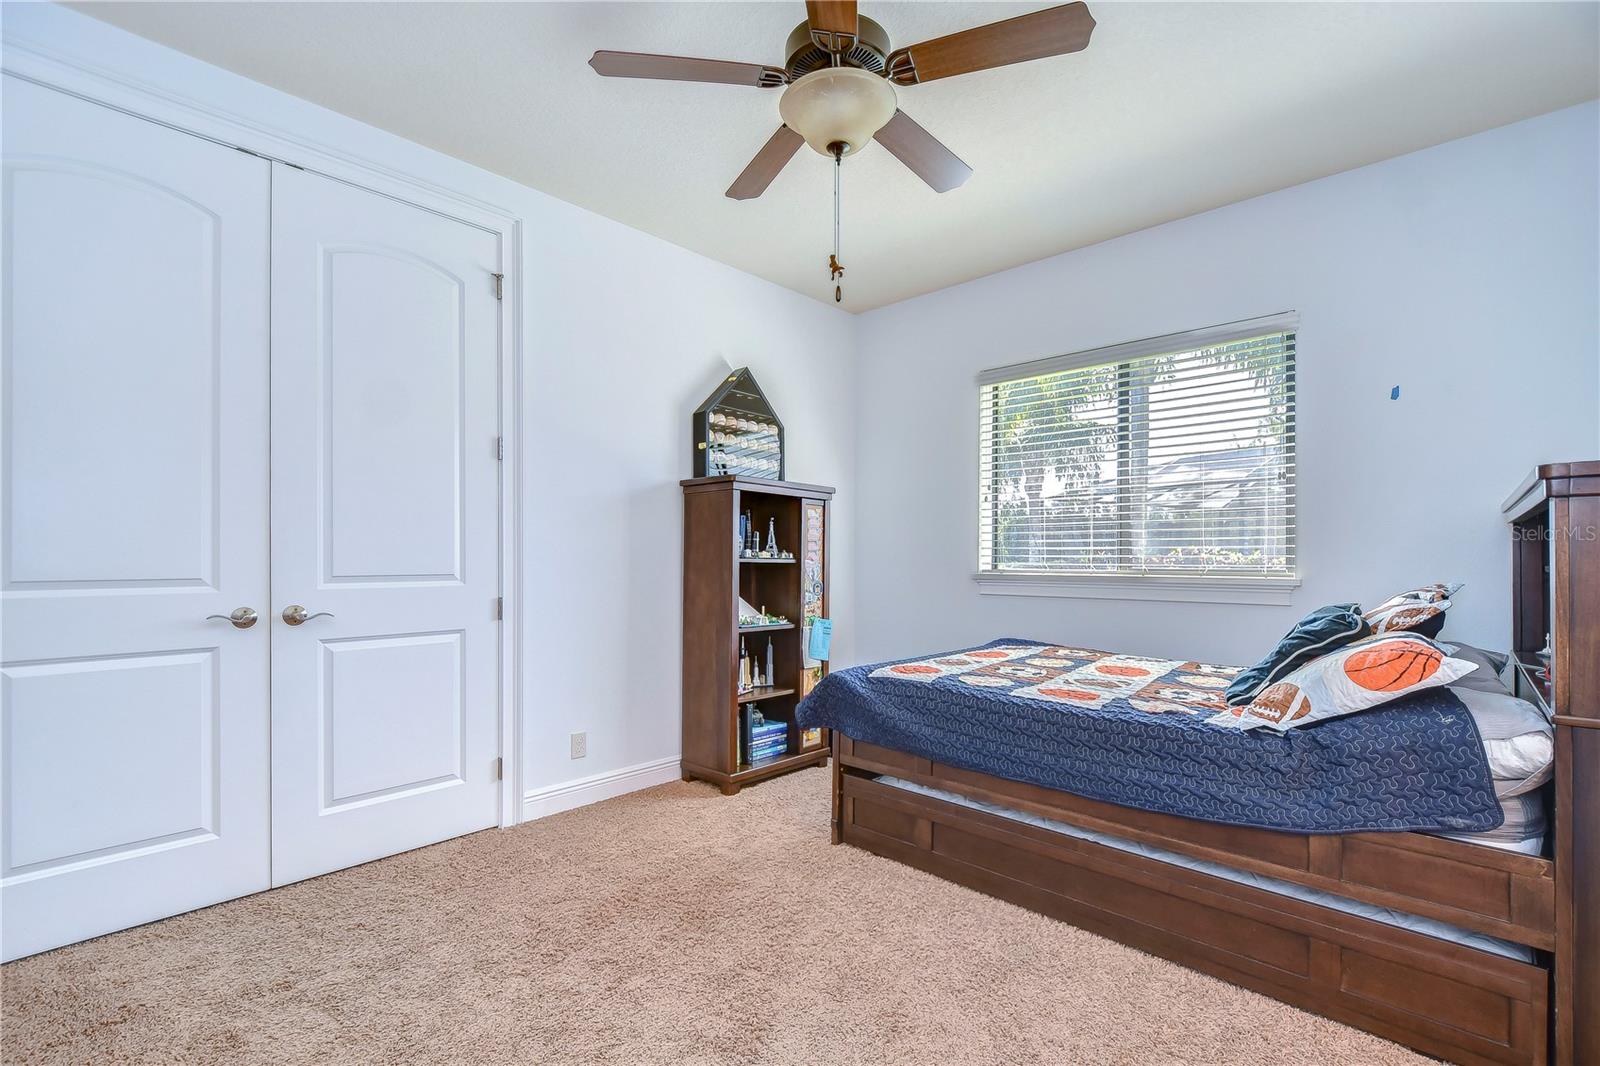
{"points": [[837, 105]]}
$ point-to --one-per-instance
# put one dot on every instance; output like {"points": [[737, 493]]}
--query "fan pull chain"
{"points": [[836, 271]]}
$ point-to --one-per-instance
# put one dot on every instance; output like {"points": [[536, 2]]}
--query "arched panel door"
{"points": [[385, 526], [133, 455]]}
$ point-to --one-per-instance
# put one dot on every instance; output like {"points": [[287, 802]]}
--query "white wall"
{"points": [[1466, 274], [626, 336], [623, 336]]}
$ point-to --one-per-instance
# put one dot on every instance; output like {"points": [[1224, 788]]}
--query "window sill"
{"points": [[1262, 591]]}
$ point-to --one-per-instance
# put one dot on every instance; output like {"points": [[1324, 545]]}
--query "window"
{"points": [[1167, 462]]}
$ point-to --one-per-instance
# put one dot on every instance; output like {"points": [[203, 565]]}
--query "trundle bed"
{"points": [[1464, 951]]}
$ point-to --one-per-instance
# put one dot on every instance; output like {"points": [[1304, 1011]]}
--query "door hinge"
{"points": [[499, 769], [499, 608], [499, 286], [499, 447]]}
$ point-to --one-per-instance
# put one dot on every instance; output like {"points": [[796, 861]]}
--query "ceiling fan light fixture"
{"points": [[837, 105]]}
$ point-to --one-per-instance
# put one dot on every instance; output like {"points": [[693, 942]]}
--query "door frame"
{"points": [[177, 106]]}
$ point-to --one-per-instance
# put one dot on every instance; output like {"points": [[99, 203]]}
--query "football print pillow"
{"points": [[1433, 593], [1397, 615], [1418, 610], [1355, 678]]}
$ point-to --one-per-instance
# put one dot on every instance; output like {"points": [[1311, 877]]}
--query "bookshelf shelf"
{"points": [[778, 765], [757, 694], [720, 724]]}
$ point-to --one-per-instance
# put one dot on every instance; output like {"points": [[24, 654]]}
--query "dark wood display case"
{"points": [[1555, 592], [715, 578]]}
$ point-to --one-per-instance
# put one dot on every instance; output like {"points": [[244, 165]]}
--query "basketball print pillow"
{"points": [[1355, 678], [1393, 666]]}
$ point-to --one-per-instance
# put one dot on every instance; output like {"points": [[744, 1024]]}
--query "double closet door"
{"points": [[249, 573]]}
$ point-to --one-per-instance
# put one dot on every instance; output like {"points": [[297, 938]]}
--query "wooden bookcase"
{"points": [[715, 578]]}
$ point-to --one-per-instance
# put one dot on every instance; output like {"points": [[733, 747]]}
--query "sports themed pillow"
{"points": [[1318, 633], [1355, 678], [1394, 616], [1433, 593], [1419, 610]]}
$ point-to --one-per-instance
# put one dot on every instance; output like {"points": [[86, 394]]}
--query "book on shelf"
{"points": [[761, 738]]}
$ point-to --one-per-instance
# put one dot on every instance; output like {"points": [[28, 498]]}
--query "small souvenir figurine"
{"points": [[772, 537], [769, 662], [747, 614], [744, 668]]}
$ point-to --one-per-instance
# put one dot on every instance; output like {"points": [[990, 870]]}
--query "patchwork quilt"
{"points": [[1132, 730]]}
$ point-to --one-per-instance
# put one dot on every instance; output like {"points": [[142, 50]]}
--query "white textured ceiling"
{"points": [[1173, 109]]}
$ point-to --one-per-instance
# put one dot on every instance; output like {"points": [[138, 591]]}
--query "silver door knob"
{"points": [[242, 617], [296, 615]]}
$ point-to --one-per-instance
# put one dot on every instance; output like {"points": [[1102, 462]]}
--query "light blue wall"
{"points": [[1468, 274]]}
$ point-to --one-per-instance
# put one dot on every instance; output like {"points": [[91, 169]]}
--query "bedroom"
{"points": [[1387, 216]]}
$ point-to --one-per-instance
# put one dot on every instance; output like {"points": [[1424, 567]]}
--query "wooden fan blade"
{"points": [[922, 153], [833, 24], [1052, 32], [682, 68], [779, 149]]}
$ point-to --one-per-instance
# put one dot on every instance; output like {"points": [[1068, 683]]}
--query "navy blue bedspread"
{"points": [[1415, 764]]}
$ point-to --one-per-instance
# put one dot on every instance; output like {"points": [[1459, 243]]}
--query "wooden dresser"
{"points": [[1555, 527]]}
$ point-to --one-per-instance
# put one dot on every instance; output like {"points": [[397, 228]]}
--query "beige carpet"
{"points": [[669, 926]]}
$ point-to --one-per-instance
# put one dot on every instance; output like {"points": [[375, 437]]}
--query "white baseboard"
{"points": [[553, 799]]}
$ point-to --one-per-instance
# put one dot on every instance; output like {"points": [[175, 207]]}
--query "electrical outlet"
{"points": [[580, 745]]}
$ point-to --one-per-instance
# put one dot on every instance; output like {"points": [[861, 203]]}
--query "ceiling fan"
{"points": [[839, 87]]}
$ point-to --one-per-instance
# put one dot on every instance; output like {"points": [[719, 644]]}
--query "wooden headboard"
{"points": [[1555, 588]]}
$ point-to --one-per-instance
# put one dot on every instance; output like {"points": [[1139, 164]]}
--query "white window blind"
{"points": [[1173, 456]]}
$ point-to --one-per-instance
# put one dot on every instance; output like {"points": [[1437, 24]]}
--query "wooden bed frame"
{"points": [[1454, 1002]]}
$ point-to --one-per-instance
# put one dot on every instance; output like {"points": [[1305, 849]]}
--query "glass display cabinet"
{"points": [[737, 433]]}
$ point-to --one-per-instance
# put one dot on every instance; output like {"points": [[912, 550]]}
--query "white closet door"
{"points": [[133, 746], [385, 526]]}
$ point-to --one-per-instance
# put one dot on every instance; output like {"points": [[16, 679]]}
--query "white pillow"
{"points": [[1525, 759], [1517, 738]]}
